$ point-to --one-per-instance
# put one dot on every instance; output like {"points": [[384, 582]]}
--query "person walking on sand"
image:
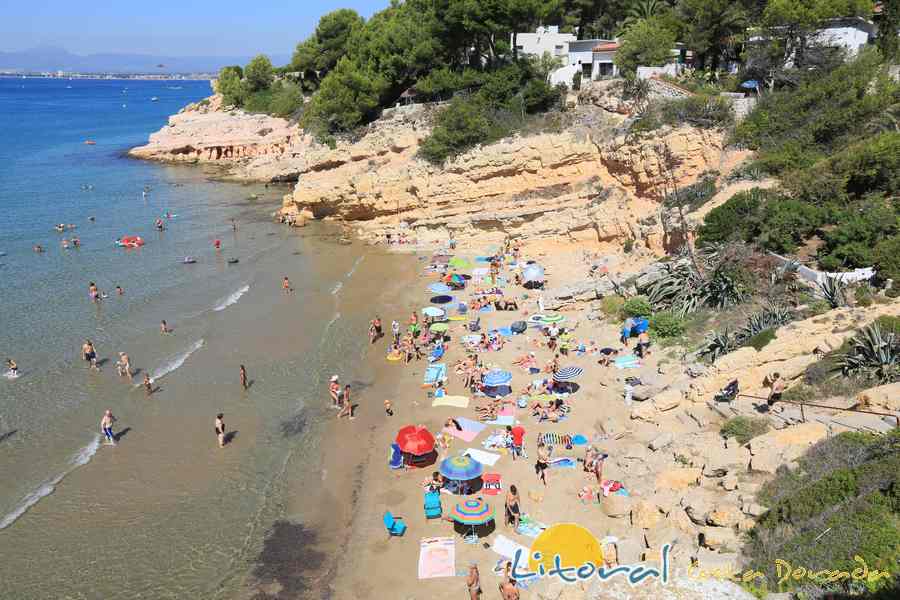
{"points": [[513, 514], [148, 385], [106, 424], [89, 354], [286, 284], [473, 581], [346, 404], [395, 331], [220, 429], [542, 463], [244, 383]]}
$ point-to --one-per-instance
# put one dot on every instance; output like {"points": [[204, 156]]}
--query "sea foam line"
{"points": [[231, 298], [176, 362], [82, 457], [355, 264], [337, 287]]}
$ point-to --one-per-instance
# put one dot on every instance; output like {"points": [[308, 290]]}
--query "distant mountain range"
{"points": [[49, 58]]}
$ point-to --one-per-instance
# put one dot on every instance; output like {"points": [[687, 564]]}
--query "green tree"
{"points": [[230, 85], [347, 97], [259, 73], [646, 43], [333, 35], [887, 259], [286, 99], [458, 127], [888, 38], [711, 26]]}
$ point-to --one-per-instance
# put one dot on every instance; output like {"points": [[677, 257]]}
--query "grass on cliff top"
{"points": [[843, 501]]}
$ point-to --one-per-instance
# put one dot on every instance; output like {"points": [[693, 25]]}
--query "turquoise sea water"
{"points": [[166, 514]]}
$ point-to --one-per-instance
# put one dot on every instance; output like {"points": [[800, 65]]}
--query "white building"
{"points": [[850, 34], [545, 39]]}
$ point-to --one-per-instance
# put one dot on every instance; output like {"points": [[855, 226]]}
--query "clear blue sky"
{"points": [[167, 27]]}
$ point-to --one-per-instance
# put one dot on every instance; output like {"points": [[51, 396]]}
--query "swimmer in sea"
{"points": [[92, 218], [76, 243], [38, 248], [119, 290], [89, 354], [93, 292], [286, 285], [244, 383], [148, 385], [65, 244], [106, 424], [13, 367], [164, 327]]}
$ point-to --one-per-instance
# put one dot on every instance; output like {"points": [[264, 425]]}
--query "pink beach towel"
{"points": [[470, 429], [437, 558]]}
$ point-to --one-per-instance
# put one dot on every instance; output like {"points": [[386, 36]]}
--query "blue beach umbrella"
{"points": [[533, 272], [567, 374], [433, 311], [461, 468], [497, 377], [439, 288]]}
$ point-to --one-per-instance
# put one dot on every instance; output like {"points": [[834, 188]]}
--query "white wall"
{"points": [[849, 38], [564, 75], [546, 39]]}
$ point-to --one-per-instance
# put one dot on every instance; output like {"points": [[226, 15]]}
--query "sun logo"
{"points": [[575, 546]]}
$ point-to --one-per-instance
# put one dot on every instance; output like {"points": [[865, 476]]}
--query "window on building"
{"points": [[560, 50], [586, 70]]}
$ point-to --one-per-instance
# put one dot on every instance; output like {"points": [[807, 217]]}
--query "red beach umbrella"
{"points": [[415, 439]]}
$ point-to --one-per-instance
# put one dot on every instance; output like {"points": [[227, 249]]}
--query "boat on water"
{"points": [[154, 99], [130, 241], [90, 143], [175, 87]]}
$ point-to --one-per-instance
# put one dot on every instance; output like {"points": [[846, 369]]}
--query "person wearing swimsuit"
{"points": [[543, 462], [513, 513], [220, 429], [473, 581], [106, 424], [89, 355], [13, 367]]}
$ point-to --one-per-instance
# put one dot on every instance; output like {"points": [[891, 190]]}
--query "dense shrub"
{"points": [[460, 126], [258, 101], [737, 218], [666, 325], [695, 195], [611, 306], [761, 339], [647, 42], [539, 96], [859, 229], [347, 97], [286, 100], [744, 428], [636, 306], [886, 259]]}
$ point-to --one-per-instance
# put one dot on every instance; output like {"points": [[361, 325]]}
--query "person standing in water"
{"points": [[106, 424], [233, 225], [347, 404], [93, 291], [13, 367], [220, 429], [244, 383], [164, 327], [119, 290], [286, 284], [89, 354], [124, 366], [148, 385]]}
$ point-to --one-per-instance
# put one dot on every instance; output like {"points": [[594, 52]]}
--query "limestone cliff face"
{"points": [[543, 185], [205, 132]]}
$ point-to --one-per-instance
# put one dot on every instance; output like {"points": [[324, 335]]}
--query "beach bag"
{"points": [[518, 327]]}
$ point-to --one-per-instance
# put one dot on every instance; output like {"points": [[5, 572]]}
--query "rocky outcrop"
{"points": [[207, 132]]}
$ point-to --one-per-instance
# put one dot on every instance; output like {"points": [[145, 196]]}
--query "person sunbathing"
{"points": [[607, 355]]}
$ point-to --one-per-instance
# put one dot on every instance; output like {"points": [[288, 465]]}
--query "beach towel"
{"points": [[564, 462], [455, 401], [551, 438], [628, 362], [529, 527], [507, 548], [503, 420], [434, 373], [505, 331], [493, 485], [470, 429], [485, 458], [507, 411], [437, 557]]}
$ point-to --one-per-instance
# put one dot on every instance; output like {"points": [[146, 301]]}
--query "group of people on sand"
{"points": [[340, 398]]}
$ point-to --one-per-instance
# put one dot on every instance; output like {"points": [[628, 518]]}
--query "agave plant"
{"points": [[772, 316], [718, 344], [874, 355], [833, 291], [679, 290], [723, 289]]}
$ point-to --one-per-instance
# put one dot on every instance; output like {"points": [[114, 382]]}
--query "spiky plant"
{"points": [[874, 355], [723, 288], [832, 290], [718, 344], [774, 315], [679, 290]]}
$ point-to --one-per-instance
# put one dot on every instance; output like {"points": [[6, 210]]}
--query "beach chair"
{"points": [[475, 325], [396, 461], [393, 524], [433, 508], [728, 393]]}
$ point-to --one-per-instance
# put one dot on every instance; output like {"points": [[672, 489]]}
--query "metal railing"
{"points": [[803, 412]]}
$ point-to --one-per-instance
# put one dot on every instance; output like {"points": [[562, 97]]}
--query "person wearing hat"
{"points": [[334, 390]]}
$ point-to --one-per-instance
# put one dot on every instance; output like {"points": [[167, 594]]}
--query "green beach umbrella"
{"points": [[552, 319], [439, 327]]}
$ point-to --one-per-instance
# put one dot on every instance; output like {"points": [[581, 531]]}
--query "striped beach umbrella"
{"points": [[461, 468], [438, 288], [497, 377], [473, 511], [567, 374], [552, 318], [433, 311]]}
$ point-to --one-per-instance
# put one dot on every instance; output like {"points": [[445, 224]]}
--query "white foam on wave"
{"points": [[231, 298], [80, 458], [175, 362], [355, 264], [10, 375], [332, 322], [337, 287]]}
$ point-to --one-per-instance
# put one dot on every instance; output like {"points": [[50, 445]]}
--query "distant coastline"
{"points": [[110, 76]]}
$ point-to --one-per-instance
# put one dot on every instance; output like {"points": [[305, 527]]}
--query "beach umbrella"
{"points": [[458, 262], [567, 374], [443, 299], [415, 439], [461, 468], [438, 328], [457, 278], [433, 311], [439, 288], [552, 319], [473, 511], [533, 272], [497, 377]]}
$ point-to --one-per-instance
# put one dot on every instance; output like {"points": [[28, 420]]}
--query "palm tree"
{"points": [[641, 9]]}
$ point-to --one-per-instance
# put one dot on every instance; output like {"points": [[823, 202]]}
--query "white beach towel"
{"points": [[506, 548], [485, 458], [437, 557], [455, 401]]}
